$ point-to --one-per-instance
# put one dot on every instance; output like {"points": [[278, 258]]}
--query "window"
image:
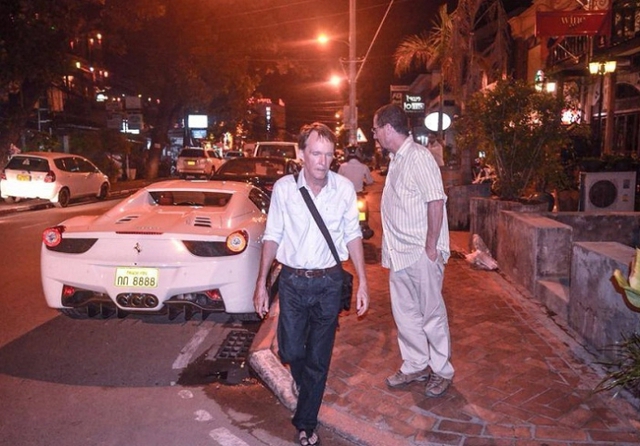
{"points": [[191, 198], [260, 199], [28, 163]]}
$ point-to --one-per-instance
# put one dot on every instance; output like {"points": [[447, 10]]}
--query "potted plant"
{"points": [[517, 127], [625, 370]]}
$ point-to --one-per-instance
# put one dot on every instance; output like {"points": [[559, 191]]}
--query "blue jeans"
{"points": [[309, 309]]}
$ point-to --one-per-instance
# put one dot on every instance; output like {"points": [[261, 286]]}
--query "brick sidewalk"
{"points": [[520, 379]]}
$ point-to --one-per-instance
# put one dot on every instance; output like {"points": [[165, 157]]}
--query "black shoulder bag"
{"points": [[347, 277]]}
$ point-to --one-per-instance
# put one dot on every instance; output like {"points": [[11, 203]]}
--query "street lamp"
{"points": [[601, 69], [352, 117]]}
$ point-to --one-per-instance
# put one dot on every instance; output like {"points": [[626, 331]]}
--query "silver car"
{"points": [[54, 176]]}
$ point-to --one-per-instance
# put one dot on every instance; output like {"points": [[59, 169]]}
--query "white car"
{"points": [[172, 246], [198, 162], [54, 176], [282, 149]]}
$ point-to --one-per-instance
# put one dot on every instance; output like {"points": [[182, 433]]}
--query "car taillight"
{"points": [[3, 176], [50, 177], [237, 241], [52, 237]]}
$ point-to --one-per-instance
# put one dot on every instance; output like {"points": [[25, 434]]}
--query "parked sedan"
{"points": [[262, 172], [54, 176], [173, 246]]}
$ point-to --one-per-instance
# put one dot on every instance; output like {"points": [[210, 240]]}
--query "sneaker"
{"points": [[436, 386], [400, 379]]}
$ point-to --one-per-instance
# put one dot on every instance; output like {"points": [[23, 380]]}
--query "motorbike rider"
{"points": [[355, 170]]}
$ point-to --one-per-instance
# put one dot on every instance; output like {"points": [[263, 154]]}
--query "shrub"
{"points": [[519, 128]]}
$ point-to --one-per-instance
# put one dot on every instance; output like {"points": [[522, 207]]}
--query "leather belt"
{"points": [[310, 273]]}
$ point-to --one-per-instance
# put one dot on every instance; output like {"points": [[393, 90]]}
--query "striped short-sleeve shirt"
{"points": [[413, 180]]}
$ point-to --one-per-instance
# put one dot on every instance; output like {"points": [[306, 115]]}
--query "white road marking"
{"points": [[225, 438], [188, 350]]}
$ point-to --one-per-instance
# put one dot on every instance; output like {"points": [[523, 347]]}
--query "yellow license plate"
{"points": [[23, 177], [362, 216], [136, 277], [191, 163]]}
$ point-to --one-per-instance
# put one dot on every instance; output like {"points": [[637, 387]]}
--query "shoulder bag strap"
{"points": [[319, 221]]}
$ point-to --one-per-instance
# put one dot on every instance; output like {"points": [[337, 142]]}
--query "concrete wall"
{"points": [[622, 227], [533, 247], [458, 199], [597, 309], [485, 212], [548, 255]]}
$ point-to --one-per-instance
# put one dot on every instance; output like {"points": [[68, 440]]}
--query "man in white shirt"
{"points": [[435, 148], [310, 282], [415, 247], [355, 170]]}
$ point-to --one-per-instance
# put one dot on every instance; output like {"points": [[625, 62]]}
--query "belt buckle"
{"points": [[309, 274]]}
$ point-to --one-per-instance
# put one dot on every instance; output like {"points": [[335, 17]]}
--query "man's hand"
{"points": [[362, 300], [432, 253], [261, 301]]}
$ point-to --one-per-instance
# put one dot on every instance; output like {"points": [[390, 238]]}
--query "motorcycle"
{"points": [[363, 216]]}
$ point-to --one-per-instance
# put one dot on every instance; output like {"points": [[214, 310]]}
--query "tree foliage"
{"points": [[518, 127], [187, 56], [34, 38], [464, 45]]}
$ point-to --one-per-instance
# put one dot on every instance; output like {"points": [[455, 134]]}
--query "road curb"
{"points": [[266, 364], [264, 361]]}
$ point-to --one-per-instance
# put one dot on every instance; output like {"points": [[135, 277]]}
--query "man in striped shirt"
{"points": [[415, 247]]}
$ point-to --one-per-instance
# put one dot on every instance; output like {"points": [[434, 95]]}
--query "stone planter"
{"points": [[567, 200], [484, 215], [458, 198]]}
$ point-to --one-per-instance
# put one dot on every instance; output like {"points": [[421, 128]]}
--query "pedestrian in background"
{"points": [[415, 247], [435, 148], [355, 170], [310, 283]]}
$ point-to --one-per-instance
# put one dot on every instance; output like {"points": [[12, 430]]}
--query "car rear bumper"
{"points": [[187, 280], [28, 189]]}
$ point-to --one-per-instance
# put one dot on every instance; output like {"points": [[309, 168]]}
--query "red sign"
{"points": [[572, 23]]}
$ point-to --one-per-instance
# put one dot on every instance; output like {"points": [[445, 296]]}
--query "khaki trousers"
{"points": [[421, 317]]}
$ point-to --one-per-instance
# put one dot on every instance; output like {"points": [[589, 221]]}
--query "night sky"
{"points": [[306, 95]]}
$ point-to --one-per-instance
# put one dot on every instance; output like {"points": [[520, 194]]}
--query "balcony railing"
{"points": [[625, 26], [625, 21]]}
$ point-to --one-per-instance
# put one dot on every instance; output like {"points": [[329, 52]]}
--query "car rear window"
{"points": [[277, 150], [252, 166], [28, 163], [192, 153], [191, 198]]}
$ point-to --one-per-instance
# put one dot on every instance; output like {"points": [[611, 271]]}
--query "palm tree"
{"points": [[464, 45]]}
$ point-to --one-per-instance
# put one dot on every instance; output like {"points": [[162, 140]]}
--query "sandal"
{"points": [[308, 438]]}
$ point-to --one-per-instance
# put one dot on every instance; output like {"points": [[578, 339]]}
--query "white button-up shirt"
{"points": [[291, 225], [413, 180]]}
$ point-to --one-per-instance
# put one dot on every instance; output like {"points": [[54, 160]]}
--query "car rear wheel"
{"points": [[9, 200], [104, 191], [63, 198]]}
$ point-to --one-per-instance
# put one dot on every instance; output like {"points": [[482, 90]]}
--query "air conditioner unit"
{"points": [[607, 191]]}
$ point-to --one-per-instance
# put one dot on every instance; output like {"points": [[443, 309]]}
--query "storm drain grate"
{"points": [[236, 345]]}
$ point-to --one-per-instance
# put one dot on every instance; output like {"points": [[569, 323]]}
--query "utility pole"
{"points": [[353, 113]]}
